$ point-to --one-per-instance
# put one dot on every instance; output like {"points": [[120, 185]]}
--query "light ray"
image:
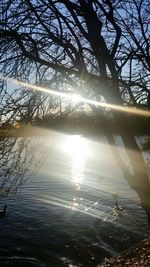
{"points": [[90, 211], [136, 111]]}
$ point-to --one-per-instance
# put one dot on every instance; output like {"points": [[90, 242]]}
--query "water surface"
{"points": [[64, 213]]}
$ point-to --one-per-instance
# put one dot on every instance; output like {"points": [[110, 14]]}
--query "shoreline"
{"points": [[30, 131], [137, 255]]}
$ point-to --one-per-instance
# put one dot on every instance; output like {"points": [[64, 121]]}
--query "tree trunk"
{"points": [[140, 181]]}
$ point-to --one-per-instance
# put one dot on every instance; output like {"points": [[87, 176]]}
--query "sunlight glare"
{"points": [[78, 98], [77, 147], [75, 99]]}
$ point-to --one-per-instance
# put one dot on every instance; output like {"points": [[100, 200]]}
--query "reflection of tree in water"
{"points": [[136, 176], [19, 160]]}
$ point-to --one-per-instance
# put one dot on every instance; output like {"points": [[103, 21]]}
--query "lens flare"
{"points": [[78, 98]]}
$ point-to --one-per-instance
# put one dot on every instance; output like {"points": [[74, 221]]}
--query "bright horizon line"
{"points": [[79, 98]]}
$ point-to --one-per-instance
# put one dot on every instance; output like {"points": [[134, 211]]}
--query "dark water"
{"points": [[63, 214]]}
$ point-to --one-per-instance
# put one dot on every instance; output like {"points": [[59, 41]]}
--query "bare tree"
{"points": [[136, 31], [19, 159]]}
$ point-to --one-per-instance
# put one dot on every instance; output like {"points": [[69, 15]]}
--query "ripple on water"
{"points": [[52, 223]]}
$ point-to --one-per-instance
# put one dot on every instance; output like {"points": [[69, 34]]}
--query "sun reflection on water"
{"points": [[78, 148]]}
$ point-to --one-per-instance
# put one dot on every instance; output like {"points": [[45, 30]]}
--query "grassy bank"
{"points": [[138, 255]]}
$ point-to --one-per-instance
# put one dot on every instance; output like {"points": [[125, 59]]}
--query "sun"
{"points": [[76, 98]]}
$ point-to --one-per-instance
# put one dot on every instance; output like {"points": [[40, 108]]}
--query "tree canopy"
{"points": [[100, 48]]}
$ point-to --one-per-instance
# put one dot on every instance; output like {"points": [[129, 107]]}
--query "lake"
{"points": [[63, 212]]}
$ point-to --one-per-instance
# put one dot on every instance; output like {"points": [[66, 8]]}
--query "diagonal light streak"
{"points": [[136, 111]]}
